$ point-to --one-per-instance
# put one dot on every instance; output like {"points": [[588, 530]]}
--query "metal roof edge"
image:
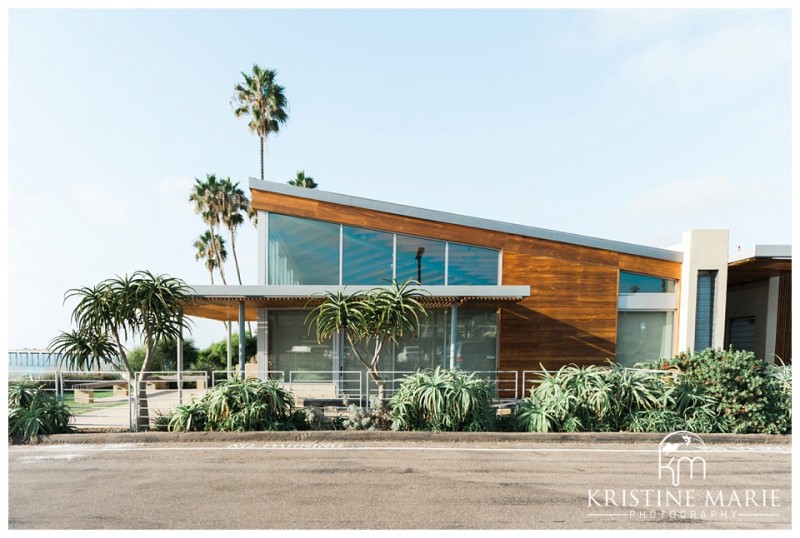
{"points": [[252, 291], [762, 251], [462, 220]]}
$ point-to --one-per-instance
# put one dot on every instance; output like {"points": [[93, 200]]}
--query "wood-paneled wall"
{"points": [[571, 314], [783, 338]]}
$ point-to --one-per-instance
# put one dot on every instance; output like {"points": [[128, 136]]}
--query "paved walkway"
{"points": [[118, 416]]}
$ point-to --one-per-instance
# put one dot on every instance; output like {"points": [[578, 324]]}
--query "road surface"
{"points": [[385, 485]]}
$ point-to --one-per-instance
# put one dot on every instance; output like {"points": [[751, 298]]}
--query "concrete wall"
{"points": [[703, 250]]}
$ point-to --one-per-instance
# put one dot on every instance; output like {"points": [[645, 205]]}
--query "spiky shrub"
{"points": [[443, 400], [190, 417], [592, 398], [236, 405], [33, 411], [683, 405], [752, 396]]}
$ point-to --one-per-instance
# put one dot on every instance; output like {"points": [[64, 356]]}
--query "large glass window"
{"points": [[428, 350], [421, 260], [311, 252], [476, 344], [294, 348], [643, 336], [635, 283], [366, 256], [471, 266], [302, 251]]}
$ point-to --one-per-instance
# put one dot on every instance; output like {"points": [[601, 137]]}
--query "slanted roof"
{"points": [[461, 220]]}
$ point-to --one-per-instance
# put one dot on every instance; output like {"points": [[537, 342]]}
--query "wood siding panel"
{"points": [[783, 337], [570, 317]]}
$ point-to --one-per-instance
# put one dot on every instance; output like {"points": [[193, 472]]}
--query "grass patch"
{"points": [[99, 395]]}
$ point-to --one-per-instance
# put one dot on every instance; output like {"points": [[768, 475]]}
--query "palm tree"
{"points": [[213, 254], [207, 198], [302, 180], [262, 99], [234, 204]]}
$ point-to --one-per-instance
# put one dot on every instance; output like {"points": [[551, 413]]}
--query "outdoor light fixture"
{"points": [[420, 252]]}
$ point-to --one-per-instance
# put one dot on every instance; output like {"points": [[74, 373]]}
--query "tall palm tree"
{"points": [[214, 253], [262, 99], [234, 205], [207, 199], [302, 180]]}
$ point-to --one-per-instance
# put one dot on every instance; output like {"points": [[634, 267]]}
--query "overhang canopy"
{"points": [[222, 302], [760, 263]]}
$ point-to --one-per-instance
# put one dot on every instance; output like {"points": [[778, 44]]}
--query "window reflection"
{"points": [[366, 256], [307, 252], [421, 260], [635, 283], [302, 251], [471, 266]]}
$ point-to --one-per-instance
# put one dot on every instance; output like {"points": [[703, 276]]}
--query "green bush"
{"points": [[165, 356], [34, 411], [751, 395], [215, 356], [235, 405], [443, 400]]}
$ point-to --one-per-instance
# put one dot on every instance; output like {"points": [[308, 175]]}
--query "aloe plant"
{"points": [[33, 411], [237, 406], [443, 400]]}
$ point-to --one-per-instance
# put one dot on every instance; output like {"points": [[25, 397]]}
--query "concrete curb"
{"points": [[402, 437]]}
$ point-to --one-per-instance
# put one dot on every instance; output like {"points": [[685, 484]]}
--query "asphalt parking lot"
{"points": [[427, 481]]}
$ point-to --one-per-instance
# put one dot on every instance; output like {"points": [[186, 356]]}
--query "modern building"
{"points": [[501, 297]]}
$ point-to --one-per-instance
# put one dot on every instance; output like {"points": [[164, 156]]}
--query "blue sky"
{"points": [[627, 125]]}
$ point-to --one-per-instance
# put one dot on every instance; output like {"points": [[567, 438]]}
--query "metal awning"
{"points": [[222, 302], [760, 263]]}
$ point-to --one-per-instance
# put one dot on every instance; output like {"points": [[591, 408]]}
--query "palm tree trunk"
{"points": [[236, 263], [216, 255], [235, 258], [142, 408], [262, 157]]}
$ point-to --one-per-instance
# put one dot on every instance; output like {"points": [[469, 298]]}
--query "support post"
{"points": [[230, 351], [241, 340], [453, 334], [180, 366]]}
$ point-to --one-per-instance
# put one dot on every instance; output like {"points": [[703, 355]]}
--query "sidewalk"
{"points": [[327, 436]]}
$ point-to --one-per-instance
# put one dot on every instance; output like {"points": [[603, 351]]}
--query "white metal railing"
{"points": [[505, 382], [327, 385], [221, 376], [97, 400], [165, 390]]}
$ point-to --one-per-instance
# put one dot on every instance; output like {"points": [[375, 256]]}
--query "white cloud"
{"points": [[173, 194], [100, 203], [619, 26], [754, 209], [733, 54]]}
